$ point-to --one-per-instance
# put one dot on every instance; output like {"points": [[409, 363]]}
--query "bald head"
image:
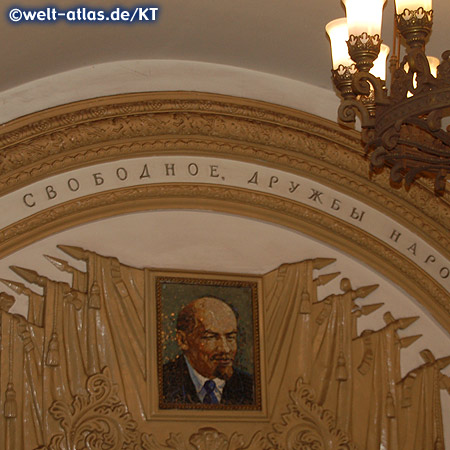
{"points": [[202, 308], [207, 334]]}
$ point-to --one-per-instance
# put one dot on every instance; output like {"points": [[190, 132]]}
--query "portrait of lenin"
{"points": [[205, 370]]}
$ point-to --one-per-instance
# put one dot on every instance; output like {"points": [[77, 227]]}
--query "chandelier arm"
{"points": [[434, 121], [439, 182], [409, 174], [432, 105], [378, 156], [422, 148], [443, 70], [406, 165], [440, 134], [444, 137], [429, 168], [397, 172], [362, 83], [390, 137], [347, 113], [420, 67], [419, 158]]}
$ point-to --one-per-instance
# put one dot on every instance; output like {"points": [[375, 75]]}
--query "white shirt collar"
{"points": [[199, 381]]}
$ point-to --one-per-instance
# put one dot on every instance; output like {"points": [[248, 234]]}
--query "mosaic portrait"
{"points": [[208, 351]]}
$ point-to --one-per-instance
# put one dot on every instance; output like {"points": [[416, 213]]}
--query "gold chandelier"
{"points": [[402, 130]]}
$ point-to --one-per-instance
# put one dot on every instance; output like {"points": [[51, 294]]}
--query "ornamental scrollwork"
{"points": [[96, 420], [207, 438], [73, 330], [308, 425], [99, 420]]}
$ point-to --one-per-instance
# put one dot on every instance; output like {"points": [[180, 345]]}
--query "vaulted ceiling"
{"points": [[286, 38]]}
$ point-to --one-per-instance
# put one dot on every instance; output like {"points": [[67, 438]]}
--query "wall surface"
{"points": [[209, 237]]}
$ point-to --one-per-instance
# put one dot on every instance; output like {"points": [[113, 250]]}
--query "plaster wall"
{"points": [[194, 240], [209, 241]]}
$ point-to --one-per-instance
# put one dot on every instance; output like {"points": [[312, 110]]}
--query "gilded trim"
{"points": [[82, 134], [89, 132]]}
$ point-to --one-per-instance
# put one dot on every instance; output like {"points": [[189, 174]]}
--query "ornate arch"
{"points": [[100, 158], [87, 133]]}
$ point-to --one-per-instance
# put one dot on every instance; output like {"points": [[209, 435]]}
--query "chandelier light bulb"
{"points": [[379, 65], [338, 32], [412, 5], [434, 63], [364, 16], [402, 133]]}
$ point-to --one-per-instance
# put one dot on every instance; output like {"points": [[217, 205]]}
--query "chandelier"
{"points": [[403, 129]]}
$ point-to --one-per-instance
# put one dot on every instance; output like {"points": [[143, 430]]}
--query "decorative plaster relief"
{"points": [[59, 141], [73, 373], [158, 170], [85, 162]]}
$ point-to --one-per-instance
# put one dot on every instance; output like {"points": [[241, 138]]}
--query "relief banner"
{"points": [[130, 358]]}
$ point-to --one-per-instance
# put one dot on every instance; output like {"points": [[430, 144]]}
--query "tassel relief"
{"points": [[94, 296], [305, 303], [341, 369], [390, 406], [53, 351], [10, 406]]}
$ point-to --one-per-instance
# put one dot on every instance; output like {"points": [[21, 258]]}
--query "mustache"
{"points": [[222, 356]]}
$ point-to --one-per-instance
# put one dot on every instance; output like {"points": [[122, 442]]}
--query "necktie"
{"points": [[210, 398]]}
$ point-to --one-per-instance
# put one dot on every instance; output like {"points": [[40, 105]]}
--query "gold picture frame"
{"points": [[169, 291]]}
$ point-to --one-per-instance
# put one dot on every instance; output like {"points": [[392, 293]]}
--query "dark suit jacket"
{"points": [[178, 387]]}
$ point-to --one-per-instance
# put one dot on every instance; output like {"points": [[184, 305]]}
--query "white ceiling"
{"points": [[284, 38]]}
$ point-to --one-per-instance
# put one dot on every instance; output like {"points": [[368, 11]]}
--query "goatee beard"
{"points": [[224, 373]]}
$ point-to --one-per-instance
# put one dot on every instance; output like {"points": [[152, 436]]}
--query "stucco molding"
{"points": [[90, 132]]}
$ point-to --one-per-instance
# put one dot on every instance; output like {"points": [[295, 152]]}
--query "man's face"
{"points": [[211, 347]]}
